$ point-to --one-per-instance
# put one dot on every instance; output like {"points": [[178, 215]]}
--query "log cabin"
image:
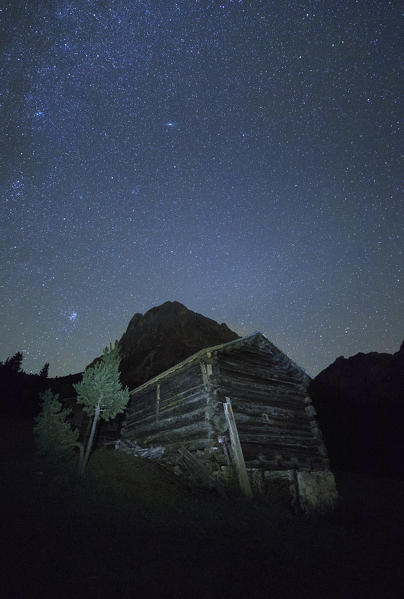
{"points": [[236, 412]]}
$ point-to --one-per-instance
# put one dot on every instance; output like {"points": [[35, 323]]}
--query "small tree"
{"points": [[15, 362], [53, 432], [44, 370], [101, 394]]}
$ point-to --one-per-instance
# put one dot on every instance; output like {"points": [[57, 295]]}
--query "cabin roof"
{"points": [[256, 338]]}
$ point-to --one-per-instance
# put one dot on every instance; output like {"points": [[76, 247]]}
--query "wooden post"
{"points": [[236, 450], [157, 402], [205, 376]]}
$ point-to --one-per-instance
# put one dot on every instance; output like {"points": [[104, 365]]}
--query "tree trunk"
{"points": [[91, 438], [81, 458]]}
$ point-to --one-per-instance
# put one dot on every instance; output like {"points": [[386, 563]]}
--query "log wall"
{"points": [[171, 412], [275, 420]]}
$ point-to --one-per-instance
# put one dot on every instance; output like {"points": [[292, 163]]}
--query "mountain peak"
{"points": [[164, 336], [162, 311]]}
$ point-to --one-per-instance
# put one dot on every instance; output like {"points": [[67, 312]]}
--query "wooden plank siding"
{"points": [[183, 407], [182, 400], [268, 398]]}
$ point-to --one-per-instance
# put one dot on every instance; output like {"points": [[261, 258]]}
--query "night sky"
{"points": [[241, 157]]}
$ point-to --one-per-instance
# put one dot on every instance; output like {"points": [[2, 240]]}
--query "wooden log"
{"points": [[260, 385], [184, 433], [206, 370], [186, 397], [273, 431], [260, 364], [263, 370], [267, 395], [171, 419], [295, 420], [197, 443], [244, 388], [236, 450], [188, 405], [176, 400], [182, 392], [197, 470], [157, 401], [250, 377], [165, 424], [182, 380], [280, 441]]}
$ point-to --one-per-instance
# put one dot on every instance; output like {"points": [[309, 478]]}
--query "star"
{"points": [[207, 154]]}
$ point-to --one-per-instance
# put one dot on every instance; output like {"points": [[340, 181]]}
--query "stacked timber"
{"points": [[170, 410], [274, 424], [271, 410]]}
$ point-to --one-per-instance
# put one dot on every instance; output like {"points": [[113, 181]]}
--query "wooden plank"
{"points": [[172, 415], [205, 376], [185, 397], [194, 444], [259, 362], [195, 468], [169, 424], [261, 386], [185, 433], [179, 401], [236, 450], [182, 395], [181, 380], [157, 401]]}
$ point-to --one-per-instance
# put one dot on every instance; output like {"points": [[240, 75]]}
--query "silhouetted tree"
{"points": [[15, 362], [19, 391], [53, 433], [44, 371]]}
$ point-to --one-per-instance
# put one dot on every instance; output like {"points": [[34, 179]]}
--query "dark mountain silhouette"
{"points": [[153, 342], [164, 336], [360, 404]]}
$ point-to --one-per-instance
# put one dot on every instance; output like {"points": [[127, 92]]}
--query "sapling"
{"points": [[101, 394], [52, 430]]}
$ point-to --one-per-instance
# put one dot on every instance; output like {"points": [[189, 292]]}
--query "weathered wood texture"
{"points": [[268, 398], [171, 412], [276, 424], [238, 457]]}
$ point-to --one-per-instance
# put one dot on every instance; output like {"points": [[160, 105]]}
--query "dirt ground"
{"points": [[131, 529]]}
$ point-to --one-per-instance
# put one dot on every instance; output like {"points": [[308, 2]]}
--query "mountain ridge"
{"points": [[164, 336], [360, 404]]}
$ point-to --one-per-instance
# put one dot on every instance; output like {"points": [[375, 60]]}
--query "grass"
{"points": [[132, 529]]}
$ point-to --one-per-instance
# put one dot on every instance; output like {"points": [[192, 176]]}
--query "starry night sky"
{"points": [[241, 157]]}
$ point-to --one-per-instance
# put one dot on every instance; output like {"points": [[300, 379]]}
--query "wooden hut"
{"points": [[239, 409]]}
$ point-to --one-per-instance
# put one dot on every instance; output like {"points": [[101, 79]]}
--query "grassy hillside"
{"points": [[132, 529]]}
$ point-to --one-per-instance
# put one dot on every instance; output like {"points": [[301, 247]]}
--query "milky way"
{"points": [[239, 157]]}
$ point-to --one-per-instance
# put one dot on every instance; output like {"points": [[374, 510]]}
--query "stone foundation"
{"points": [[317, 491], [307, 490]]}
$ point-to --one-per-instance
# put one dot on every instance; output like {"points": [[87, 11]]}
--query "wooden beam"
{"points": [[204, 375], [157, 402], [236, 450]]}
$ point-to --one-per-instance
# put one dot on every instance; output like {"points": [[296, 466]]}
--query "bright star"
{"points": [[73, 316]]}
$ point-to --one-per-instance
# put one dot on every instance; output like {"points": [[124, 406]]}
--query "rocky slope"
{"points": [[360, 403], [164, 336]]}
